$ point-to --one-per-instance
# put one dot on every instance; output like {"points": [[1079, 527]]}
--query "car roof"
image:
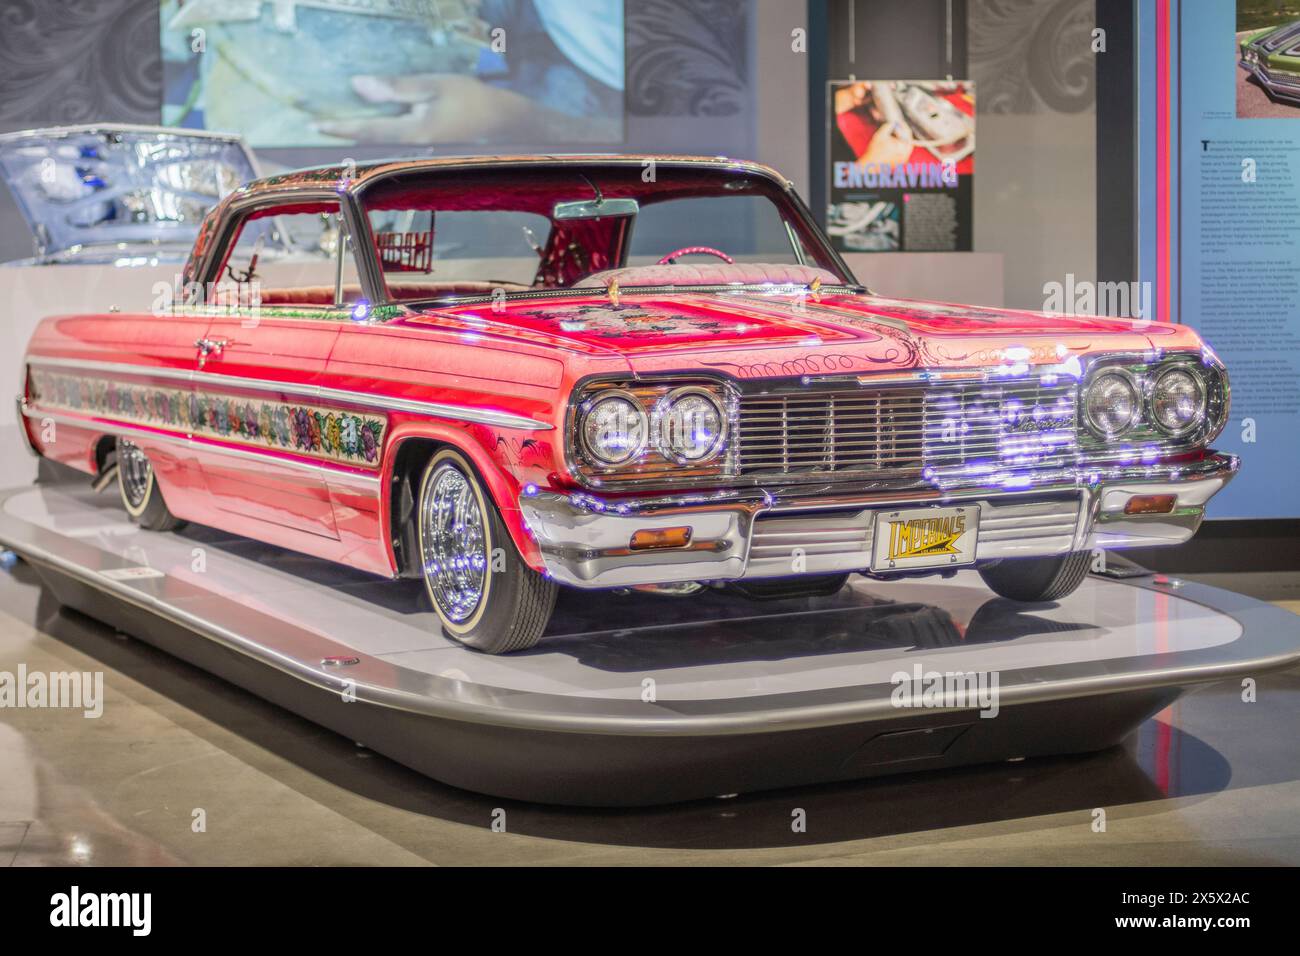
{"points": [[352, 176]]}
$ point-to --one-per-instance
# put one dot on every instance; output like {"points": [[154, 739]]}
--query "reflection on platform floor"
{"points": [[1210, 780]]}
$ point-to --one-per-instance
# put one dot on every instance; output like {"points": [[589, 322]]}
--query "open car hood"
{"points": [[125, 190]]}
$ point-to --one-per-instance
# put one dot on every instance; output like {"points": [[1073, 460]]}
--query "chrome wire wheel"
{"points": [[135, 474], [454, 545]]}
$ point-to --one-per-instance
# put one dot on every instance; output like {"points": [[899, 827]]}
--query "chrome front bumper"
{"points": [[585, 542], [1282, 87]]}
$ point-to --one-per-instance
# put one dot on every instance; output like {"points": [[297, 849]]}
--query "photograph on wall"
{"points": [[1268, 57], [395, 72], [902, 156]]}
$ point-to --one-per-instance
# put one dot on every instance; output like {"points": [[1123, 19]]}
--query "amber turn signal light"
{"points": [[656, 539], [1150, 504]]}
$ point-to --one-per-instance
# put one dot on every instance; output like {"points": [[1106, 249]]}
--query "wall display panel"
{"points": [[902, 165], [1220, 184], [426, 72]]}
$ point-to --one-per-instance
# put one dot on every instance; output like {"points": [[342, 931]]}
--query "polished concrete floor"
{"points": [[1211, 780]]}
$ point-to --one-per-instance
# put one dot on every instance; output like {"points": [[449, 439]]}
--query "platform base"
{"points": [[699, 697]]}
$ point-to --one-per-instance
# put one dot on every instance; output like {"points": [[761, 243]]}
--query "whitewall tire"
{"points": [[141, 496], [484, 594]]}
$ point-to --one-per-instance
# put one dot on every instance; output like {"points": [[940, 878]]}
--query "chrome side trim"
{"points": [[189, 442], [478, 416]]}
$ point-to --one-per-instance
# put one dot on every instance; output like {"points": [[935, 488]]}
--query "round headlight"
{"points": [[1112, 404], [691, 426], [1178, 401], [614, 430]]}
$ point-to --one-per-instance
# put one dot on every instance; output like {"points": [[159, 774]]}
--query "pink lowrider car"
{"points": [[616, 372]]}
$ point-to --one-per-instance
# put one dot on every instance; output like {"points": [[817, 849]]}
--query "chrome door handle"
{"points": [[207, 347]]}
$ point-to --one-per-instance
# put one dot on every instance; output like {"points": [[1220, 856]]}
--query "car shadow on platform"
{"points": [[739, 629]]}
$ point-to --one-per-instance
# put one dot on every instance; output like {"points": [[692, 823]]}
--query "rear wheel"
{"points": [[485, 595], [1035, 580], [141, 496]]}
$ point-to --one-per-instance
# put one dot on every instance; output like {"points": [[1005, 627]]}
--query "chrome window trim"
{"points": [[217, 379], [574, 292], [377, 172]]}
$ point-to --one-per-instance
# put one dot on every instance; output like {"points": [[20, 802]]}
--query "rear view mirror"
{"points": [[595, 209]]}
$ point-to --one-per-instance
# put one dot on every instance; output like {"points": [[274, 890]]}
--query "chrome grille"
{"points": [[1021, 424], [870, 431], [941, 430]]}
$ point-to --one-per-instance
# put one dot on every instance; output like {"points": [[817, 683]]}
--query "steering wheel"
{"points": [[671, 258]]}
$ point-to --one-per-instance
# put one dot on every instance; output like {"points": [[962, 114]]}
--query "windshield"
{"points": [[516, 229]]}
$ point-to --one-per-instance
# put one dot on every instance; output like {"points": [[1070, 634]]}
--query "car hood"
{"points": [[765, 334], [119, 191]]}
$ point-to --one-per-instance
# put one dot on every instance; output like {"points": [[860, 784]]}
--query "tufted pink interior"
{"points": [[749, 273]]}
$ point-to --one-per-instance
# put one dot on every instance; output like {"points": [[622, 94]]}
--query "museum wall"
{"points": [[702, 76], [1036, 186], [713, 77]]}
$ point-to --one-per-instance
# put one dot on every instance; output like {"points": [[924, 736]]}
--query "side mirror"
{"points": [[594, 209]]}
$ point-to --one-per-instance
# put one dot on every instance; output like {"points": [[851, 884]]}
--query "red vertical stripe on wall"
{"points": [[1162, 161]]}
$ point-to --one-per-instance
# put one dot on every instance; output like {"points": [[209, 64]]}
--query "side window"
{"points": [[424, 252], [290, 255]]}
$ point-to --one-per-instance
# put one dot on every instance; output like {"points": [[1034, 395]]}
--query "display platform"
{"points": [[683, 697]]}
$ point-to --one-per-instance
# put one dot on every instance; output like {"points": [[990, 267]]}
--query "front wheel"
{"points": [[1036, 580], [485, 595]]}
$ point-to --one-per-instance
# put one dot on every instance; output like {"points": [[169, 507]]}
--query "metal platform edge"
{"points": [[595, 752]]}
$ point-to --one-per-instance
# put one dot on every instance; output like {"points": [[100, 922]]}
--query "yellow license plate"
{"points": [[934, 537]]}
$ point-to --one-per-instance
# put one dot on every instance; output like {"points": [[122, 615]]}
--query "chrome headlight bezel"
{"points": [[1146, 436], [1202, 390], [655, 464], [637, 410], [1135, 386], [664, 407]]}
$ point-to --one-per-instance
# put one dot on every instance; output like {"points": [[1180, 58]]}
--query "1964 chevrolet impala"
{"points": [[1272, 56], [513, 379]]}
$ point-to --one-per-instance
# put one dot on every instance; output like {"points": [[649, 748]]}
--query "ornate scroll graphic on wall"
{"points": [[79, 61], [686, 57], [1032, 56]]}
